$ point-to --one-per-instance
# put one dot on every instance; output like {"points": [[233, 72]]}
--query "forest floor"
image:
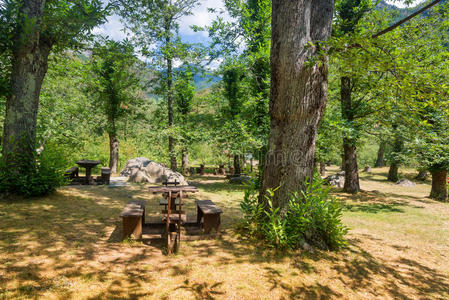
{"points": [[68, 246]]}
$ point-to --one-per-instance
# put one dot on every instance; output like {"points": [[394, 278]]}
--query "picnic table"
{"points": [[173, 216], [88, 165]]}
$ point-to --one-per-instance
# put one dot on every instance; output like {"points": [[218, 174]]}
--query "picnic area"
{"points": [[224, 149]]}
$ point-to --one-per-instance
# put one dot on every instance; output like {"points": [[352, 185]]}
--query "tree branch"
{"points": [[399, 23]]}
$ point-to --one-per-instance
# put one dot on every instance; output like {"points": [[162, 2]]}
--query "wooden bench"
{"points": [[105, 175], [211, 215], [73, 172], [133, 217]]}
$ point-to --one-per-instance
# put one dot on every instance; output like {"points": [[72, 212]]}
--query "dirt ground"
{"points": [[67, 246]]}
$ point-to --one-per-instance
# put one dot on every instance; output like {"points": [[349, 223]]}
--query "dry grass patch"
{"points": [[66, 246]]}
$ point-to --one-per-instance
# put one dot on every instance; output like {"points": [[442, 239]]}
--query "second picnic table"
{"points": [[88, 165], [173, 216]]}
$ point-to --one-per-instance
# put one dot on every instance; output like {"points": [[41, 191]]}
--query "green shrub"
{"points": [[43, 178], [312, 216]]}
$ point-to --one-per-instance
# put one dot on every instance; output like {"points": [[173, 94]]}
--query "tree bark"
{"points": [[380, 155], [113, 152], [298, 94], [184, 161], [393, 172], [237, 168], [322, 169], [422, 175], [29, 66], [439, 189], [397, 149], [171, 140], [352, 184]]}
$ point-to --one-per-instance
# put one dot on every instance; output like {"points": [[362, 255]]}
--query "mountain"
{"points": [[204, 81]]}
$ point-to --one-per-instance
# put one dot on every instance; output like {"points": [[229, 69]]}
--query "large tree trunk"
{"points": [[393, 172], [29, 66], [352, 184], [113, 152], [439, 189], [380, 155], [184, 161], [298, 94], [237, 168]]}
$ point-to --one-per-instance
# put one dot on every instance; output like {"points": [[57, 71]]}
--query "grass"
{"points": [[67, 246]]}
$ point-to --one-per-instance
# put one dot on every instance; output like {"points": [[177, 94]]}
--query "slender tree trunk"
{"points": [[184, 161], [422, 175], [29, 66], [380, 155], [171, 140], [322, 168], [393, 172], [237, 168], [397, 149], [113, 152], [298, 94], [439, 189], [352, 184], [342, 167]]}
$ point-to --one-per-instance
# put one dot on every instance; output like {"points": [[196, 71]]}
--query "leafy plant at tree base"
{"points": [[43, 178], [312, 217]]}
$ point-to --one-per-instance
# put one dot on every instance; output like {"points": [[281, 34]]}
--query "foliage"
{"points": [[312, 216], [45, 176], [115, 86]]}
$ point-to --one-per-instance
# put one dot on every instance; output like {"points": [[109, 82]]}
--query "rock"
{"points": [[240, 180], [335, 180], [367, 169], [136, 163], [304, 245], [142, 169], [405, 182], [342, 173]]}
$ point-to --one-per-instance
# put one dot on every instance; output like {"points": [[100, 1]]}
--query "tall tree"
{"points": [[39, 26], [349, 13], [298, 93], [113, 66], [156, 23], [184, 92]]}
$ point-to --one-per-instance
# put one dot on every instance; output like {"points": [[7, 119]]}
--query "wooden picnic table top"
{"points": [[166, 189], [86, 163]]}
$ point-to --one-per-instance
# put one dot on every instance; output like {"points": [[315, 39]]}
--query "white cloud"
{"points": [[201, 17], [112, 28]]}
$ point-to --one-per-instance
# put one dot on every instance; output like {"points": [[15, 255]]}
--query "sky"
{"points": [[201, 17]]}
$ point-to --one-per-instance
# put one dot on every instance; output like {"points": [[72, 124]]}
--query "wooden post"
{"points": [[179, 219], [168, 224]]}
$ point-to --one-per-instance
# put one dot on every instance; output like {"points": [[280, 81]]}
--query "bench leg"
{"points": [[211, 221], [132, 226], [199, 215]]}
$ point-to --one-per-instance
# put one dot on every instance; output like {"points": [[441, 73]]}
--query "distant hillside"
{"points": [[205, 81]]}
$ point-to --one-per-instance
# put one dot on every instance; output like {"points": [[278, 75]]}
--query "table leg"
{"points": [[88, 175]]}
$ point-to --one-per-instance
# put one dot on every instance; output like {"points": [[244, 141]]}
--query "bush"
{"points": [[312, 216], [41, 179]]}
